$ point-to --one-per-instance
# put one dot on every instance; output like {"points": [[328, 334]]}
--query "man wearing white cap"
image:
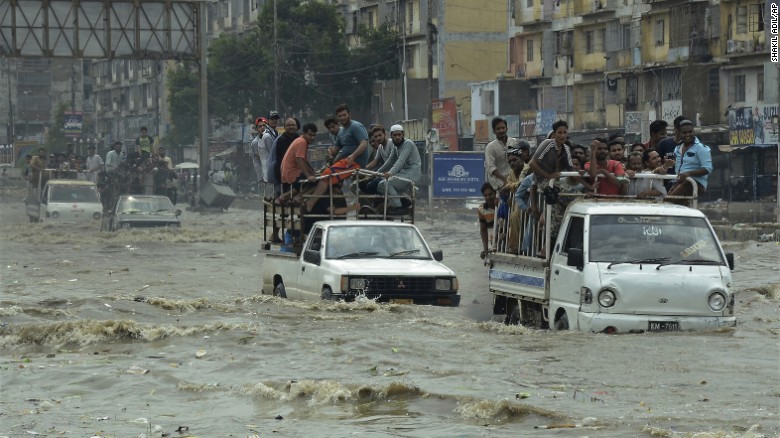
{"points": [[404, 162]]}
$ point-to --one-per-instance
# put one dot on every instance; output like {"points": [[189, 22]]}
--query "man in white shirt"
{"points": [[94, 164], [114, 157]]}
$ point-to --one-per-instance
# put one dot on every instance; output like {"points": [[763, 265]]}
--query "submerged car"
{"points": [[144, 211]]}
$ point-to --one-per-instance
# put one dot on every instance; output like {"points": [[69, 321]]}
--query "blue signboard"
{"points": [[458, 174]]}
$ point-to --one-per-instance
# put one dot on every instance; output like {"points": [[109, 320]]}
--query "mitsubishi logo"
{"points": [[663, 301], [401, 285]]}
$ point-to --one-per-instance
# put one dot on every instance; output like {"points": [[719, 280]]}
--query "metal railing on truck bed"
{"points": [[519, 226], [289, 220]]}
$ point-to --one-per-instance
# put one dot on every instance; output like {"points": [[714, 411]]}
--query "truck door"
{"points": [[311, 274], [565, 280]]}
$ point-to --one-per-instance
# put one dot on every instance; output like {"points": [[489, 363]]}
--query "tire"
{"points": [[512, 313], [562, 321], [532, 315], [279, 290], [327, 294]]}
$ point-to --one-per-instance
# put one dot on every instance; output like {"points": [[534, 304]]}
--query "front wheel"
{"points": [[279, 290], [562, 321], [327, 294]]}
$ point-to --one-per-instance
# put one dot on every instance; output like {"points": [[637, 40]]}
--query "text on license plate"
{"points": [[402, 301], [663, 326]]}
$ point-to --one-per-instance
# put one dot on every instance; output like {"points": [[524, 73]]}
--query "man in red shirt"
{"points": [[295, 164], [607, 170]]}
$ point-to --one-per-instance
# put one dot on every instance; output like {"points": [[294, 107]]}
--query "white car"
{"points": [[134, 211]]}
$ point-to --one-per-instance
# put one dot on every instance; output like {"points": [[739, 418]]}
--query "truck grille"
{"points": [[389, 285]]}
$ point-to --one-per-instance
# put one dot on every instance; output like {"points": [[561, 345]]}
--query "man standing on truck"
{"points": [[114, 157], [352, 139], [37, 166], [608, 170], [145, 144], [267, 139], [94, 164], [692, 159], [496, 164]]}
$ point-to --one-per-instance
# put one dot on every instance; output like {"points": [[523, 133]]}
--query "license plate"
{"points": [[663, 326], [402, 301]]}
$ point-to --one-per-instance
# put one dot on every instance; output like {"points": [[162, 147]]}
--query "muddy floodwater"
{"points": [[161, 332]]}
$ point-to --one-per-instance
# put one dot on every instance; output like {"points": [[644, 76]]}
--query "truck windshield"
{"points": [[652, 239], [73, 194], [145, 205], [386, 241]]}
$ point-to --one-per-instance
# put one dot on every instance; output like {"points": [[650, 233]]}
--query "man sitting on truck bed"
{"points": [[608, 170], [404, 162], [296, 169]]}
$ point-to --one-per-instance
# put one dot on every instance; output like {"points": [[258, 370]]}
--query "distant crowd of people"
{"points": [[518, 178], [146, 156]]}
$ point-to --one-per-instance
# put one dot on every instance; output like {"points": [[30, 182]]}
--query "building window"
{"points": [[760, 86], [590, 100], [742, 19], [739, 88], [589, 41], [626, 37], [529, 4], [354, 22], [529, 50], [757, 17], [713, 82], [371, 20], [601, 39], [659, 32], [410, 57]]}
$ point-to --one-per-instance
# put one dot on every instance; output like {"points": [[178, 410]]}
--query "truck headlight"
{"points": [[357, 283], [717, 301], [443, 284], [607, 298], [96, 215]]}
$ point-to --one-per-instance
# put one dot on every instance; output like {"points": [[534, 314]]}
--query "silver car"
{"points": [[144, 211]]}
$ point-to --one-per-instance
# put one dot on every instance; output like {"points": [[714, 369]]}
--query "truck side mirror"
{"points": [[575, 258], [438, 255], [312, 256], [730, 260]]}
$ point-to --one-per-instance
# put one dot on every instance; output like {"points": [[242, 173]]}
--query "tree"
{"points": [[55, 136], [183, 97], [317, 70]]}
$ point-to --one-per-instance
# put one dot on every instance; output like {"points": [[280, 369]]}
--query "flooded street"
{"points": [[148, 331]]}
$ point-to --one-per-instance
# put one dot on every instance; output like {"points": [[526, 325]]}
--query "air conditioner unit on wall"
{"points": [[740, 46]]}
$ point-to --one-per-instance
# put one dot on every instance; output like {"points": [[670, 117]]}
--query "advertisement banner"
{"points": [[458, 174], [512, 125], [445, 120], [544, 121], [752, 125], [71, 124], [528, 123], [481, 131]]}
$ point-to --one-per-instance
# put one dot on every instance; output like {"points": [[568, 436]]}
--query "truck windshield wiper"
{"points": [[691, 262], [358, 254], [633, 262], [408, 251]]}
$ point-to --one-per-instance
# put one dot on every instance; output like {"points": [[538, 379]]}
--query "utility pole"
{"points": [[203, 116], [432, 93], [276, 63]]}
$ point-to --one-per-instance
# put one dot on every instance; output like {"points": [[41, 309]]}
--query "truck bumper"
{"points": [[451, 300], [622, 323]]}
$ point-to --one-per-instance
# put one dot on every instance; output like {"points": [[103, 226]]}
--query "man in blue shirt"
{"points": [[352, 140], [692, 159]]}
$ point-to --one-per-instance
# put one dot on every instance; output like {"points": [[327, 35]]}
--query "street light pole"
{"points": [[775, 126]]}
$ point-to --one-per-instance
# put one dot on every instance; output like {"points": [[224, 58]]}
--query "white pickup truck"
{"points": [[618, 266], [382, 260], [63, 200]]}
